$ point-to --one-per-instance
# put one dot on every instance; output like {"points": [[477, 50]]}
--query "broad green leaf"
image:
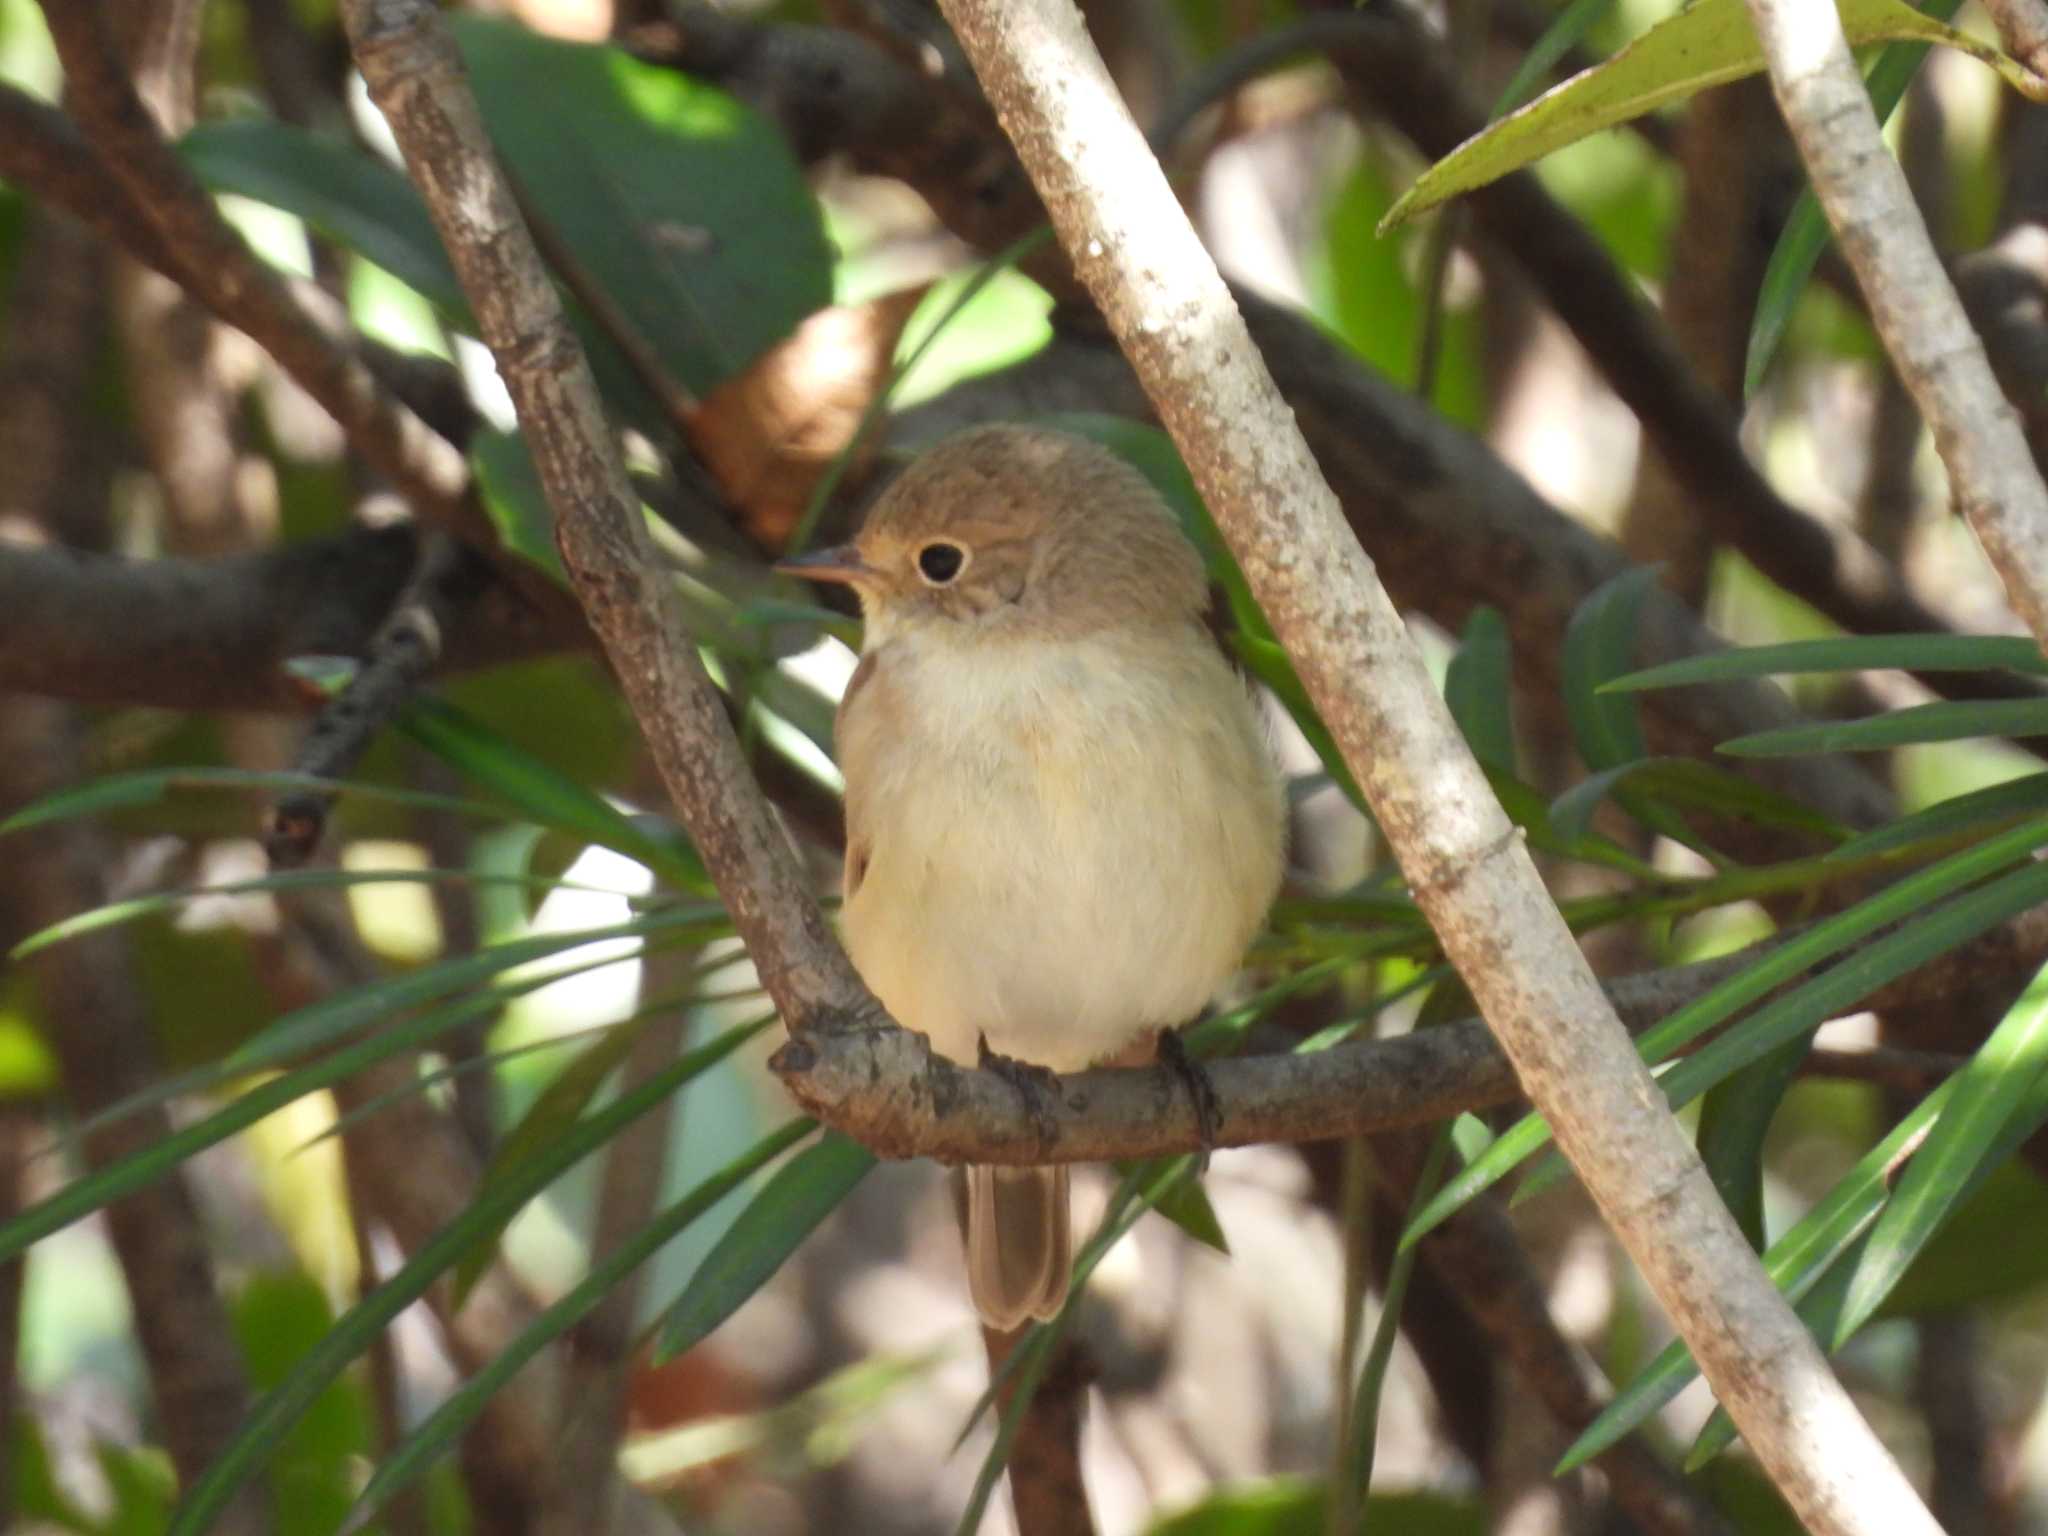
{"points": [[461, 1407], [1834, 989], [546, 795], [560, 1105], [350, 197], [123, 791], [1600, 644], [115, 913], [684, 206], [802, 1193], [1806, 231], [1478, 689], [369, 207], [2000, 802], [1705, 44], [279, 1409], [514, 501], [1851, 653], [1993, 1098], [1921, 723]]}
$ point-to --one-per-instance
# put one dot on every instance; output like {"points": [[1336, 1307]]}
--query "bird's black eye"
{"points": [[939, 562]]}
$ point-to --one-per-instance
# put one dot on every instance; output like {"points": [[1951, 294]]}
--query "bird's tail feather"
{"points": [[1019, 1243]]}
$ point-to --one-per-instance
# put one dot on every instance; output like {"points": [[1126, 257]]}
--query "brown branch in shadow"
{"points": [[213, 263], [91, 999], [215, 634], [402, 654], [1045, 1458]]}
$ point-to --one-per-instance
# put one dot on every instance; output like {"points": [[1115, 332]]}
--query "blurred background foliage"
{"points": [[382, 1080]]}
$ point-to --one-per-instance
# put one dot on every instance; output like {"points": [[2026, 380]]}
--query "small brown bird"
{"points": [[1063, 821]]}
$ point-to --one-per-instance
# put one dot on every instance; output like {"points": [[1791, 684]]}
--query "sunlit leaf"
{"points": [[1708, 43]]}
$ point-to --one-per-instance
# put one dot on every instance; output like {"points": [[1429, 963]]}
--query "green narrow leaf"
{"points": [[1795, 1263], [1899, 728], [124, 791], [1849, 653], [1558, 39], [273, 1416], [1372, 1376], [320, 1024], [2000, 802], [420, 1448], [802, 1193], [1895, 903], [1806, 231], [100, 1186], [116, 913], [1993, 1097], [1705, 44], [1684, 783], [1600, 644], [1478, 687], [1735, 1117], [560, 1105], [350, 197], [545, 794], [1187, 1206]]}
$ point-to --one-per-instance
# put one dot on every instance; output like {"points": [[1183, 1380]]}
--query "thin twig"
{"points": [[1469, 868], [402, 654], [1992, 476]]}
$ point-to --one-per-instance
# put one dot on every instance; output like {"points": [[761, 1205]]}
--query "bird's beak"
{"points": [[842, 563]]}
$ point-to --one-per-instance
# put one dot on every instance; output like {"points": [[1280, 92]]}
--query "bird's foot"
{"points": [[1173, 1055], [1037, 1086]]}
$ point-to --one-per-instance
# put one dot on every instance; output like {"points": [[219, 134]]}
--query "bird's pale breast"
{"points": [[1055, 845]]}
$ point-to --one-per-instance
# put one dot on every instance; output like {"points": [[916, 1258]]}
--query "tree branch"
{"points": [[1992, 476], [1470, 871], [416, 78], [215, 634]]}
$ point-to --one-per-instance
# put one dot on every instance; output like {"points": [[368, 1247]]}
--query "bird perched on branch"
{"points": [[1063, 821]]}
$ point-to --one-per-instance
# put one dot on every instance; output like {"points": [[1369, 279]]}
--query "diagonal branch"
{"points": [[416, 78], [1992, 475], [211, 261], [1168, 307]]}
